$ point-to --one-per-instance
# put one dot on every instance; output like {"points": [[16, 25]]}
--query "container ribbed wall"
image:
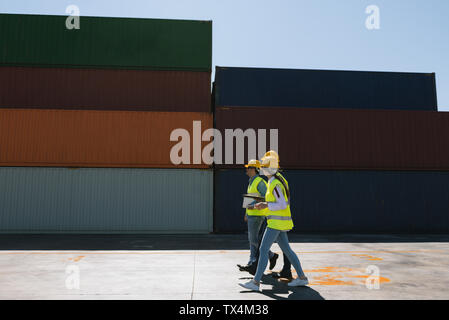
{"points": [[347, 139], [346, 201], [104, 89], [324, 89], [100, 42], [87, 138], [105, 200]]}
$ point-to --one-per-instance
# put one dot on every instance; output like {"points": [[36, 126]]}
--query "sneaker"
{"points": [[298, 283], [250, 285]]}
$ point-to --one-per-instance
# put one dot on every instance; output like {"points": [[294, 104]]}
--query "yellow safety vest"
{"points": [[280, 219], [252, 188]]}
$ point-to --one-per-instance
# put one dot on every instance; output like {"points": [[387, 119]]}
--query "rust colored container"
{"points": [[347, 139], [88, 138], [104, 89]]}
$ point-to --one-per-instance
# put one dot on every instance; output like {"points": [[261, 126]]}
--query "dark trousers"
{"points": [[287, 265]]}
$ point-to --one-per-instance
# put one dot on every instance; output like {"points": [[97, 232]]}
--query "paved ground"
{"points": [[204, 267]]}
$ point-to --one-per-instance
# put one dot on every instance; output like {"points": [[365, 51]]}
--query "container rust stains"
{"points": [[76, 138], [347, 139]]}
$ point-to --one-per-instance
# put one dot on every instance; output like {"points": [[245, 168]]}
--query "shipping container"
{"points": [[90, 138], [103, 42], [108, 89], [311, 138], [346, 201], [103, 200], [324, 89]]}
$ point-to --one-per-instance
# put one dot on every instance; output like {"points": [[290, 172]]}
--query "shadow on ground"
{"points": [[181, 242], [281, 288]]}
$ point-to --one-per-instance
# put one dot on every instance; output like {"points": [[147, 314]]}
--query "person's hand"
{"points": [[245, 218], [261, 205]]}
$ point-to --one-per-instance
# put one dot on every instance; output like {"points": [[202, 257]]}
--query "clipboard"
{"points": [[250, 198]]}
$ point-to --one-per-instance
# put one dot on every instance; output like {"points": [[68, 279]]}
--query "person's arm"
{"points": [[262, 188], [280, 203]]}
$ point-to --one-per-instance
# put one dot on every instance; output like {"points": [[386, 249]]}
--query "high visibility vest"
{"points": [[280, 219], [252, 188]]}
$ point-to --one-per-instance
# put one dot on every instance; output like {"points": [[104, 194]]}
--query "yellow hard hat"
{"points": [[272, 153], [253, 164], [270, 160]]}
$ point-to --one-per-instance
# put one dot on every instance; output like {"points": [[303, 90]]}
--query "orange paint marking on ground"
{"points": [[329, 280], [76, 259], [367, 257], [340, 276], [330, 269], [381, 279]]}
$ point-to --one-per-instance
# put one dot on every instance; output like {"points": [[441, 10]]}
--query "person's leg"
{"points": [[253, 237], [262, 228], [269, 237], [286, 269], [287, 250]]}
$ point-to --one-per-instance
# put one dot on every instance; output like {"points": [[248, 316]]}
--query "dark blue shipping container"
{"points": [[324, 89], [346, 201]]}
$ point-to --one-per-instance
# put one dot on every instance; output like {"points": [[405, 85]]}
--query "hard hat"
{"points": [[272, 153], [253, 164], [270, 163], [270, 160]]}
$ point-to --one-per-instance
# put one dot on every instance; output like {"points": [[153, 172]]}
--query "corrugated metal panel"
{"points": [[105, 200], [347, 201], [86, 138], [349, 139], [123, 43], [65, 88], [325, 89]]}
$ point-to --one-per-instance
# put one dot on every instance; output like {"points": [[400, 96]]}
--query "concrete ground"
{"points": [[204, 267]]}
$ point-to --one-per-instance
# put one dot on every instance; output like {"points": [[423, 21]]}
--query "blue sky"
{"points": [[312, 34]]}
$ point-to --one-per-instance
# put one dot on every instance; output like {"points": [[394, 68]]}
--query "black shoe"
{"points": [[273, 261], [252, 268], [241, 268], [244, 268], [282, 274]]}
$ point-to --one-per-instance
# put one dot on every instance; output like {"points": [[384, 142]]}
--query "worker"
{"points": [[255, 218], [286, 272], [279, 222]]}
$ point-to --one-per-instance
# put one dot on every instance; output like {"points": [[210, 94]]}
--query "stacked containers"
{"points": [[362, 151], [103, 99]]}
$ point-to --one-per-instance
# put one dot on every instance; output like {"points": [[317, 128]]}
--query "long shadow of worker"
{"points": [[279, 287]]}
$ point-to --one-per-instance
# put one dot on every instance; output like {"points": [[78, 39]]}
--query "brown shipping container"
{"points": [[88, 138], [348, 139], [104, 89]]}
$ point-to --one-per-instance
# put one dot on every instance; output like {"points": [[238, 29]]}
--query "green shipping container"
{"points": [[118, 43]]}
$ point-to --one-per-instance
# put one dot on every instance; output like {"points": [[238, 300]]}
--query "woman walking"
{"points": [[279, 221]]}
